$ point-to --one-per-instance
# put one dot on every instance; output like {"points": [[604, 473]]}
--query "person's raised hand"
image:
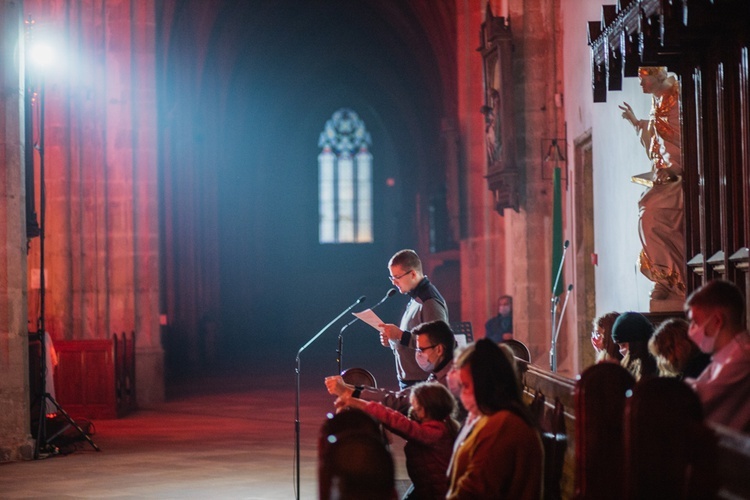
{"points": [[337, 387]]}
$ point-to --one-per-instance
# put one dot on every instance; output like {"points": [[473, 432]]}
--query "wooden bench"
{"points": [[598, 439], [550, 397]]}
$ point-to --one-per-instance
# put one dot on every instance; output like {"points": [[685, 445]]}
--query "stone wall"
{"points": [[15, 439]]}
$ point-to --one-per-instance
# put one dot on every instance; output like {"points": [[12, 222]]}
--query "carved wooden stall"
{"points": [[707, 43], [592, 420]]}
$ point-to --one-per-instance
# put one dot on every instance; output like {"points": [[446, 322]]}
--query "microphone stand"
{"points": [[296, 418], [553, 349], [554, 301], [340, 348]]}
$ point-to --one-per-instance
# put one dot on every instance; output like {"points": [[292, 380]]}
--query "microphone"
{"points": [[390, 293], [566, 244]]}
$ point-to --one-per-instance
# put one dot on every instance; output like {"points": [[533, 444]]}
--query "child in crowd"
{"points": [[429, 432]]}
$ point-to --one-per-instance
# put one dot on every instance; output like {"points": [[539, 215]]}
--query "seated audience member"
{"points": [[343, 423], [502, 457], [466, 418], [716, 312], [632, 331], [676, 355], [435, 343], [601, 338], [357, 467], [429, 434], [500, 328]]}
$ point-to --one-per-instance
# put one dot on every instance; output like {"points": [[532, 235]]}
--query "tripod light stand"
{"points": [[42, 54]]}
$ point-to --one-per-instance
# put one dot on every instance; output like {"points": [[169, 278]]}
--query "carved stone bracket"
{"points": [[697, 265], [741, 259], [717, 263]]}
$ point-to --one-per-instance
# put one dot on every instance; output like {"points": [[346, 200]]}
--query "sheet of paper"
{"points": [[370, 318], [460, 339]]}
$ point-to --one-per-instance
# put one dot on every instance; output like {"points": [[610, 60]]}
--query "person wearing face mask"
{"points": [[425, 304], [632, 331], [433, 353], [716, 312], [429, 432], [500, 328]]}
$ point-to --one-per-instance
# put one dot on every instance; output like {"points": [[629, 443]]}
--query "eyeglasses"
{"points": [[394, 278], [423, 349]]}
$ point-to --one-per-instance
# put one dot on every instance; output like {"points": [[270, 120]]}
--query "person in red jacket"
{"points": [[429, 432]]}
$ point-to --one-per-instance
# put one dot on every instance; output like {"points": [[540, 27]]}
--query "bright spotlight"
{"points": [[41, 55]]}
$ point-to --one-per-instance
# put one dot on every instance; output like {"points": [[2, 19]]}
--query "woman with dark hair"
{"points": [[632, 332], [601, 338], [502, 456]]}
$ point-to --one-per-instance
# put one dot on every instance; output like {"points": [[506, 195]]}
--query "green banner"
{"points": [[557, 231]]}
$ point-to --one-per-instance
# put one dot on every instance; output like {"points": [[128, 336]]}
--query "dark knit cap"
{"points": [[632, 327]]}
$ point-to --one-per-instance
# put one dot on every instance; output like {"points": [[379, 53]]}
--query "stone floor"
{"points": [[216, 437]]}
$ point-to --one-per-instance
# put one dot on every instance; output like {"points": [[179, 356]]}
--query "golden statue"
{"points": [[661, 206]]}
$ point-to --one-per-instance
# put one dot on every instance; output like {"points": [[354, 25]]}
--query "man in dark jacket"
{"points": [[434, 343], [500, 328], [426, 305]]}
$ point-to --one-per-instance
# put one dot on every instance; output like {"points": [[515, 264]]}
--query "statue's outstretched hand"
{"points": [[628, 114]]}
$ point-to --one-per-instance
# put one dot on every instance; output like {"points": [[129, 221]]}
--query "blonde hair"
{"points": [[660, 72], [672, 347]]}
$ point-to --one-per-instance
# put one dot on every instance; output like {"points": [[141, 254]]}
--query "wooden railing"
{"points": [[550, 397], [554, 402]]}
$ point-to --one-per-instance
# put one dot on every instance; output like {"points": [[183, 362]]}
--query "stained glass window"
{"points": [[345, 180]]}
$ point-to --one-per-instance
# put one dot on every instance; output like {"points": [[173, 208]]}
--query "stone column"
{"points": [[102, 231], [484, 261], [15, 440]]}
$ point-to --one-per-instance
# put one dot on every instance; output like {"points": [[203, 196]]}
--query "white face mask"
{"points": [[623, 350], [698, 335], [454, 383], [423, 360]]}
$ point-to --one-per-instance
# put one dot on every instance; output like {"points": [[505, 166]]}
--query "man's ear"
{"points": [[721, 319], [441, 352]]}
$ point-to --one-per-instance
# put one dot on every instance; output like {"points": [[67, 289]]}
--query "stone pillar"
{"points": [[102, 231], [150, 355], [483, 262], [511, 253], [15, 439]]}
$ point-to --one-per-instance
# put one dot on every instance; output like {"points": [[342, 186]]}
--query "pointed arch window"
{"points": [[345, 180]]}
